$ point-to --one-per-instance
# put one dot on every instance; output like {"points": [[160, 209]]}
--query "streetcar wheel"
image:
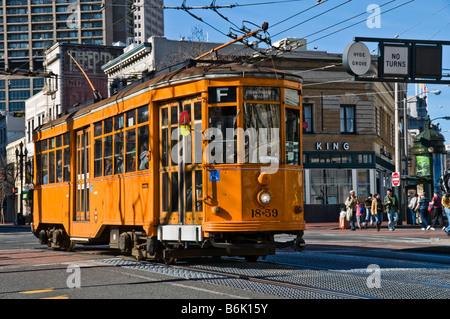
{"points": [[43, 239], [299, 244], [56, 239], [169, 260], [125, 244], [70, 246]]}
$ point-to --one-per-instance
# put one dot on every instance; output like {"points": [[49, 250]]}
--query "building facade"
{"points": [[29, 27], [68, 88], [148, 19], [158, 54]]}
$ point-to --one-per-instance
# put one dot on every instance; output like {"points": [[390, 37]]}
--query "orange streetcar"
{"points": [[203, 161]]}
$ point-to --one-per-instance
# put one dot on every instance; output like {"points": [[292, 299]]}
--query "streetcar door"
{"points": [[180, 172], [82, 176]]}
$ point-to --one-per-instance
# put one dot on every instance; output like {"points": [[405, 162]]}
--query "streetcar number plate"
{"points": [[265, 212]]}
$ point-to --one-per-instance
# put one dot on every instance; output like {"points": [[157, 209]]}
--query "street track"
{"points": [[320, 275], [207, 270], [320, 272], [278, 283]]}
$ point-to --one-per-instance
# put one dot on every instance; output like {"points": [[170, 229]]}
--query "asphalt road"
{"points": [[414, 262]]}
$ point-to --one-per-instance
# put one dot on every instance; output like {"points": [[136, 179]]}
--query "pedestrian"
{"points": [[436, 201], [368, 205], [446, 204], [391, 204], [377, 209], [359, 215], [412, 203], [422, 205], [350, 205]]}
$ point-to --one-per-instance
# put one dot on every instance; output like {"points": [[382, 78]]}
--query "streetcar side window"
{"points": [[131, 118], [53, 160], [118, 153], [292, 136], [98, 157], [98, 129], [66, 163], [108, 125], [44, 169], [122, 143], [142, 114], [143, 147], [107, 155], [51, 167], [130, 153], [118, 122], [59, 166], [44, 145]]}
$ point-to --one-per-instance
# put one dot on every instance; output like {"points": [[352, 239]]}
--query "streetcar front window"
{"points": [[223, 142], [262, 123]]}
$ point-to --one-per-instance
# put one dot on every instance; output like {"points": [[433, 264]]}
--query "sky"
{"points": [[328, 26]]}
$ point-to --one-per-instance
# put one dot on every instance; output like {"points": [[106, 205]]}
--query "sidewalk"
{"points": [[10, 227], [402, 232]]}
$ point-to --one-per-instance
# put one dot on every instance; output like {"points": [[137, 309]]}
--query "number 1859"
{"points": [[256, 213]]}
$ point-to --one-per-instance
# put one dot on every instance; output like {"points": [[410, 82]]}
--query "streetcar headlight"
{"points": [[264, 197]]}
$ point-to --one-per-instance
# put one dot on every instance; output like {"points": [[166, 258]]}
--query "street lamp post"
{"points": [[19, 160]]}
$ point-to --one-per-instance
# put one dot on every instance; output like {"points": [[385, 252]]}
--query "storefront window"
{"points": [[363, 183], [330, 186]]}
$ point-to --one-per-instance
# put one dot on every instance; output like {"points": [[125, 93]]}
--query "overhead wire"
{"points": [[186, 9], [422, 21], [314, 17], [348, 19], [361, 21], [298, 13]]}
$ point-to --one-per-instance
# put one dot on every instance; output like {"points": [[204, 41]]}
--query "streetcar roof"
{"points": [[189, 74]]}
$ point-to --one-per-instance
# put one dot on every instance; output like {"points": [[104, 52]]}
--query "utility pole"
{"points": [[19, 160]]}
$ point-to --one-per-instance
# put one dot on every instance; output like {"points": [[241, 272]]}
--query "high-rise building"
{"points": [[29, 27], [148, 19]]}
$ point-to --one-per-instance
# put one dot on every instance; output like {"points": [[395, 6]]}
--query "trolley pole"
{"points": [[263, 28]]}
